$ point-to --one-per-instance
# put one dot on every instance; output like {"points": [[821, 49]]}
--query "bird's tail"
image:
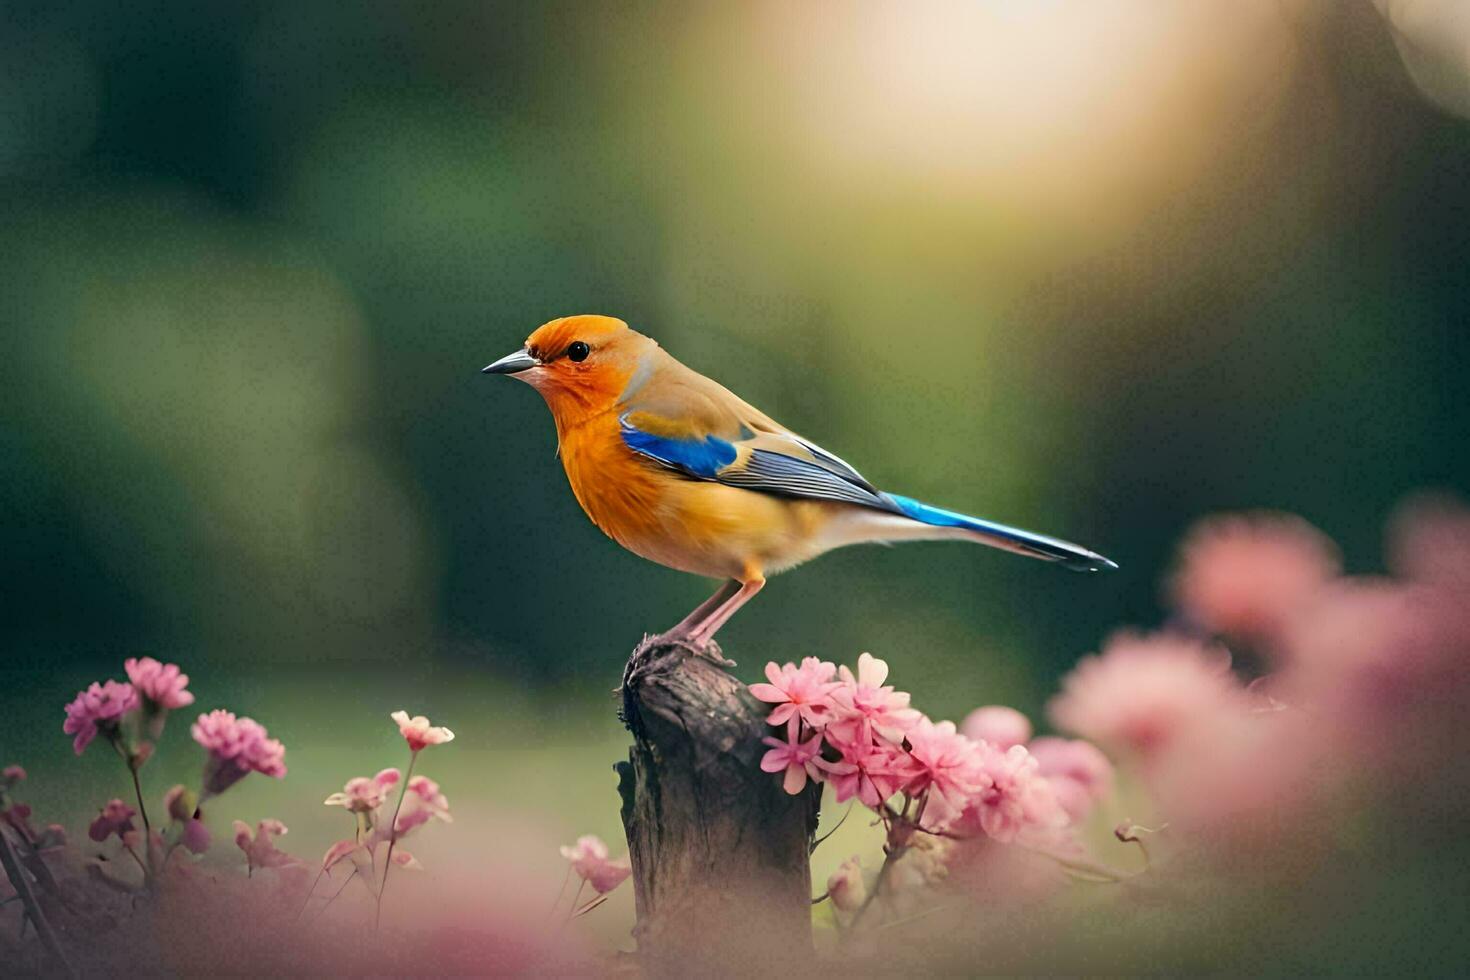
{"points": [[1028, 543]]}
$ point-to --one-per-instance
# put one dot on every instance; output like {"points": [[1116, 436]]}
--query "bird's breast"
{"points": [[697, 526], [618, 491]]}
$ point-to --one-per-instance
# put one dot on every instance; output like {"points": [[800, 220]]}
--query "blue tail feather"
{"points": [[1065, 553]]}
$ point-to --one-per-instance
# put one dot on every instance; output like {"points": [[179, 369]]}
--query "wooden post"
{"points": [[721, 876]]}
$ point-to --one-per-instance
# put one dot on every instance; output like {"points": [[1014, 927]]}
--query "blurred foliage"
{"points": [[1076, 267]]}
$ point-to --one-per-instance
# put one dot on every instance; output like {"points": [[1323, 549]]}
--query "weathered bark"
{"points": [[720, 852]]}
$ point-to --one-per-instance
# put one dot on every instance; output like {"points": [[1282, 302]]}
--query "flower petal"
{"points": [[795, 780]]}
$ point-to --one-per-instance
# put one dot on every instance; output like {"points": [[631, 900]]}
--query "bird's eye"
{"points": [[578, 351]]}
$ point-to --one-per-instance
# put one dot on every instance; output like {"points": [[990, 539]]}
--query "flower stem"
{"points": [[560, 891], [143, 812], [128, 761], [572, 909], [393, 837]]}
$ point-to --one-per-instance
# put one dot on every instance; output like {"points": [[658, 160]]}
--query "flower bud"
{"points": [[845, 887], [180, 803]]}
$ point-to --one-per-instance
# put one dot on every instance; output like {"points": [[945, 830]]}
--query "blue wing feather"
{"points": [[764, 470], [702, 458]]}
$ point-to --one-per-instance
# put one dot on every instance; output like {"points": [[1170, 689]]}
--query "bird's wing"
{"points": [[741, 455], [684, 420]]}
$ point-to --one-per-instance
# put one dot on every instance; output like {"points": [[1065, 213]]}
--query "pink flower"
{"points": [[116, 818], [1144, 690], [845, 886], [1382, 666], [237, 747], [342, 849], [874, 771], [799, 692], [798, 759], [11, 775], [862, 706], [422, 801], [1017, 799], [590, 862], [162, 684], [195, 836], [98, 708], [364, 795], [1243, 575], [1078, 771], [948, 770], [406, 861], [419, 733], [998, 725], [260, 848]]}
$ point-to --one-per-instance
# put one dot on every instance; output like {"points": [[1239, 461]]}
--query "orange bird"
{"points": [[676, 468]]}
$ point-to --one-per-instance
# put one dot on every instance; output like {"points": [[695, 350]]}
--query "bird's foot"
{"points": [[690, 642], [695, 645]]}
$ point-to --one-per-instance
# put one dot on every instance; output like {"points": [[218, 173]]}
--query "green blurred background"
{"points": [[1091, 268]]}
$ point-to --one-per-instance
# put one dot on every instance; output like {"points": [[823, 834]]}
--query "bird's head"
{"points": [[580, 364]]}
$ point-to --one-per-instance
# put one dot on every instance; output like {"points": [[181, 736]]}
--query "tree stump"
{"points": [[721, 876]]}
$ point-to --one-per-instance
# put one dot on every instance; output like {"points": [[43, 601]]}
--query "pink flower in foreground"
{"points": [[1017, 799], [98, 708], [422, 802], [1244, 574], [798, 692], [948, 769], [1078, 771], [406, 861], [590, 862], [862, 706], [845, 886], [116, 818], [1144, 690], [998, 725], [797, 759], [195, 836], [874, 771], [1382, 665], [343, 849], [160, 683], [260, 848], [364, 795], [419, 733], [236, 747]]}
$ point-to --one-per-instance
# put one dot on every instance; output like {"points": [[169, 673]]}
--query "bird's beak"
{"points": [[511, 363]]}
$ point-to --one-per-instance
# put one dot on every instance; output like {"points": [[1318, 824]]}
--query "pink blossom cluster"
{"points": [[236, 747], [1358, 677], [163, 685], [855, 731], [419, 801], [99, 708], [116, 818]]}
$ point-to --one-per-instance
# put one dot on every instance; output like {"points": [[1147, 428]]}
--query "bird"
{"points": [[679, 470]]}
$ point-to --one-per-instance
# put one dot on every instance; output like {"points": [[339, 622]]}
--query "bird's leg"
{"points": [[705, 631], [679, 635], [702, 611]]}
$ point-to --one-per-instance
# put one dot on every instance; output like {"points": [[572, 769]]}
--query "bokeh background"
{"points": [[1095, 268]]}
